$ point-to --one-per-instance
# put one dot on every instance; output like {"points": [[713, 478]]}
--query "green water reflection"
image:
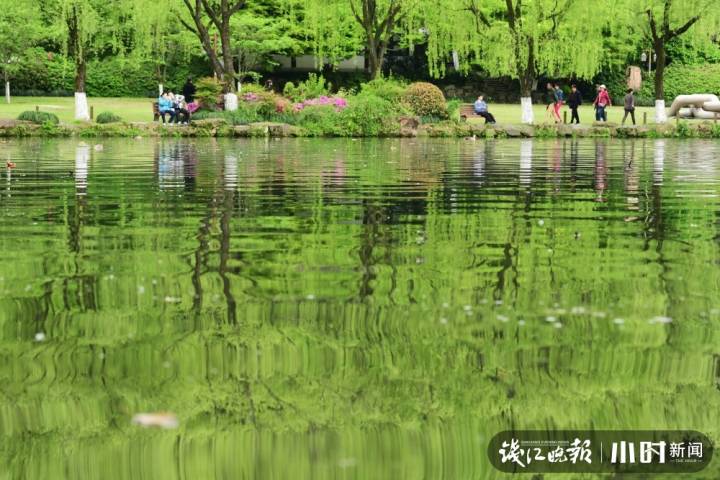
{"points": [[349, 309]]}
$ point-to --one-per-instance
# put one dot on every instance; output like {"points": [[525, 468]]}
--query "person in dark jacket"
{"points": [[188, 90], [629, 106], [574, 101]]}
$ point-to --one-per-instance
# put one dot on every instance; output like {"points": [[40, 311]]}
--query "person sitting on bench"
{"points": [[482, 110], [165, 106]]}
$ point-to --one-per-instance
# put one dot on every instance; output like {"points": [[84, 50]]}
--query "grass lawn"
{"points": [[129, 109], [510, 113], [139, 110]]}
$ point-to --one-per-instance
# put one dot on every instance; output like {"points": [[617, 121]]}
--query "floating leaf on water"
{"points": [[159, 419]]}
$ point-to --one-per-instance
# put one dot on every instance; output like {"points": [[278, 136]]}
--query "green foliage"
{"points": [[679, 80], [544, 131], [683, 130], [425, 99], [208, 92], [388, 88], [107, 117], [368, 115], [453, 109], [320, 120], [315, 86], [38, 117]]}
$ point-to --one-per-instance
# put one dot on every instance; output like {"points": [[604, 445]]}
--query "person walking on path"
{"points": [[574, 102], [629, 106], [481, 109], [559, 101], [602, 101], [549, 101]]}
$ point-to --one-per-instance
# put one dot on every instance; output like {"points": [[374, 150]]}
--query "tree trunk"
{"points": [[659, 48], [374, 62], [228, 63], [526, 75], [7, 87], [80, 73], [660, 115]]}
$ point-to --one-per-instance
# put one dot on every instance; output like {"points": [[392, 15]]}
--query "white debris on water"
{"points": [[161, 419], [660, 319], [172, 299], [310, 296], [40, 337], [541, 222], [550, 319], [618, 321]]}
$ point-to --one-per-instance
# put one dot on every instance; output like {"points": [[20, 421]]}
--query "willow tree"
{"points": [[666, 20], [522, 39], [15, 41], [208, 18], [375, 22]]}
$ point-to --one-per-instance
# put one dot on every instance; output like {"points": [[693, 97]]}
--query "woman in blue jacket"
{"points": [[165, 106]]}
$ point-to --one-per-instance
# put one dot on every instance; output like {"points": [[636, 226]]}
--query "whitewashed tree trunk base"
{"points": [[82, 158], [660, 115], [526, 152], [527, 110], [82, 112], [231, 102], [7, 92], [160, 89]]}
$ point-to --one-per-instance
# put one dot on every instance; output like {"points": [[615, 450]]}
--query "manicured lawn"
{"points": [[510, 113], [129, 109], [139, 110]]}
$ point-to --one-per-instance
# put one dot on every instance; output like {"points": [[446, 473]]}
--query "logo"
{"points": [[600, 451]]}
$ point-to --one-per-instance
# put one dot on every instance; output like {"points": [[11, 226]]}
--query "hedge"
{"points": [[53, 75], [679, 80]]}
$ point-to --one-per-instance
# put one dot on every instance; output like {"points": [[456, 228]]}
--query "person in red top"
{"points": [[601, 102]]}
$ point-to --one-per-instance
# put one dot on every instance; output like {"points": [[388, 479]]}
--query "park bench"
{"points": [[467, 110], [156, 111]]}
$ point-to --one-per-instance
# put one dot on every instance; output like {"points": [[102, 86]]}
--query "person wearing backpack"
{"points": [[559, 96]]}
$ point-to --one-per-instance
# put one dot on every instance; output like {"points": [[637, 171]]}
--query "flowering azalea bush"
{"points": [[338, 102]]}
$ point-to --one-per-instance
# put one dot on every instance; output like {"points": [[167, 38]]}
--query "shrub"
{"points": [[107, 117], [207, 92], [314, 86], [39, 117], [368, 115], [425, 99], [319, 120], [252, 88], [387, 88]]}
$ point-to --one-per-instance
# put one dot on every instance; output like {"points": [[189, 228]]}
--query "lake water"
{"points": [[368, 309]]}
